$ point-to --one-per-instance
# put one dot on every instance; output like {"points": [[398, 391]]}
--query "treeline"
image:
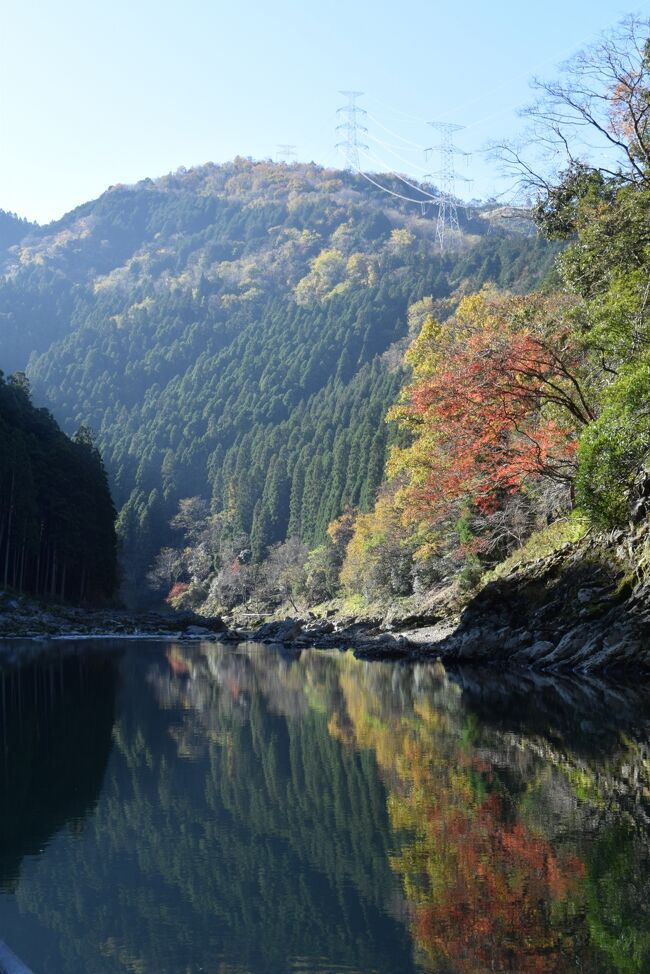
{"points": [[12, 229], [57, 519]]}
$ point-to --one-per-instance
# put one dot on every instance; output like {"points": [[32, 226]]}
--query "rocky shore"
{"points": [[25, 618], [584, 608]]}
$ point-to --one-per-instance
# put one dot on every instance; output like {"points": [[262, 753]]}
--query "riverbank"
{"points": [[22, 617], [584, 607]]}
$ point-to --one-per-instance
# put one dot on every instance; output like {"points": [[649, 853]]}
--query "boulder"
{"points": [[278, 632]]}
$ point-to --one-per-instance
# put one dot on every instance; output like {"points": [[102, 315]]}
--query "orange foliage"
{"points": [[500, 399], [177, 589], [498, 402]]}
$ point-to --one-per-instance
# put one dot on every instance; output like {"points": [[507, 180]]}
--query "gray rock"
{"points": [[537, 651], [586, 595], [516, 639], [280, 632]]}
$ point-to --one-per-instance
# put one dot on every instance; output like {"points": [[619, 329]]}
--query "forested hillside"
{"points": [[57, 520], [526, 417], [233, 332]]}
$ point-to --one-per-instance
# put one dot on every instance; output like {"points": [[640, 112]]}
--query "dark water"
{"points": [[170, 809]]}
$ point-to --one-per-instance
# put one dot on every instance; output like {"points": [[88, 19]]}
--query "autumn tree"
{"points": [[498, 397], [283, 575], [379, 556]]}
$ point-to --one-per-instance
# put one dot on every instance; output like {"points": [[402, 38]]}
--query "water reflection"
{"points": [[55, 738], [255, 811]]}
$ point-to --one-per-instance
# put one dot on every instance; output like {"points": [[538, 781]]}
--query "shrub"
{"points": [[614, 447]]}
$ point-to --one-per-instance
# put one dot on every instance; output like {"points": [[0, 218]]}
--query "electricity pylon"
{"points": [[446, 178], [351, 128], [287, 153]]}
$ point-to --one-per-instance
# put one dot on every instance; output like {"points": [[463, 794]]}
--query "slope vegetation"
{"points": [[235, 332]]}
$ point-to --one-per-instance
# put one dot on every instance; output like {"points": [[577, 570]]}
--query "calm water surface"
{"points": [[176, 809]]}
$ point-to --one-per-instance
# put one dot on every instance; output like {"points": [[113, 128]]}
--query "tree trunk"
{"points": [[21, 576], [9, 522], [53, 578]]}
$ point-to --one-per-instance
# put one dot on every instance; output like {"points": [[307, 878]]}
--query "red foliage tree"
{"points": [[501, 400]]}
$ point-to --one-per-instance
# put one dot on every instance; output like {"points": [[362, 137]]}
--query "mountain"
{"points": [[235, 332]]}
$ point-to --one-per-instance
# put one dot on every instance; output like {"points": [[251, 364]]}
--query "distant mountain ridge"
{"points": [[224, 331]]}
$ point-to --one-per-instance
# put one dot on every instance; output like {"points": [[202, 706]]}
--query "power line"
{"points": [[352, 129], [407, 199], [487, 94], [395, 135], [396, 155], [397, 175]]}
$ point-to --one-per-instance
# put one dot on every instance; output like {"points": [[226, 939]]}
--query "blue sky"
{"points": [[93, 93]]}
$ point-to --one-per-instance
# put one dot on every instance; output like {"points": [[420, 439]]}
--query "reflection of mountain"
{"points": [[228, 837], [308, 813], [57, 721]]}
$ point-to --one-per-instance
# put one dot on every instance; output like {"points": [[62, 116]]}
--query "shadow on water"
{"points": [[586, 714], [56, 728]]}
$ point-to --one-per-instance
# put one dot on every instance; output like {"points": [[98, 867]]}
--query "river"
{"points": [[176, 808]]}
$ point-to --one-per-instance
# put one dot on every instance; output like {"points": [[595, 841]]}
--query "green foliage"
{"points": [[556, 389], [614, 447], [540, 544], [559, 213]]}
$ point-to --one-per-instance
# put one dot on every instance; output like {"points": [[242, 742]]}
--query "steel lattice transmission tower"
{"points": [[351, 128], [287, 153], [446, 178]]}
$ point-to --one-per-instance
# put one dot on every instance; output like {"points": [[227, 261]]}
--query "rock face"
{"points": [[584, 608], [639, 505]]}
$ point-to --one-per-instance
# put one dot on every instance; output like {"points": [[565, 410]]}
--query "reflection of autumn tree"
{"points": [[485, 891]]}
